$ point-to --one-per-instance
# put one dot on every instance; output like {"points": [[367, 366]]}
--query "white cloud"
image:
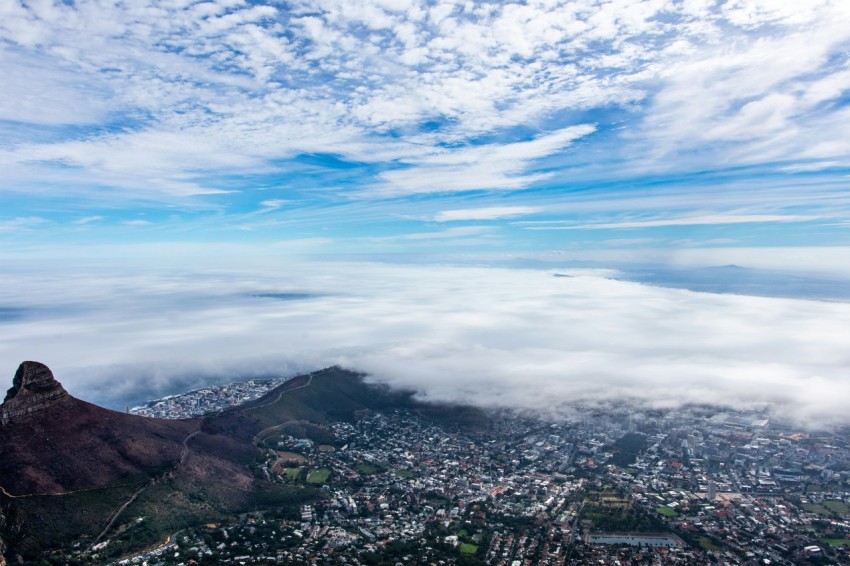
{"points": [[729, 101], [88, 219], [447, 234], [485, 213], [489, 336], [182, 92], [710, 219], [493, 166], [272, 204], [21, 223], [758, 12], [807, 167], [626, 242], [44, 93], [298, 244]]}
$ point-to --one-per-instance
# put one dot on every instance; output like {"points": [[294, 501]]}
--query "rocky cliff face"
{"points": [[34, 389]]}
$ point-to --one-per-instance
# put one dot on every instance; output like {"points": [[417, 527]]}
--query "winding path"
{"points": [[59, 494], [186, 447], [279, 396], [138, 492], [183, 455], [118, 512]]}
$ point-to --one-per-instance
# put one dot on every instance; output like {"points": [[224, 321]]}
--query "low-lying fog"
{"points": [[493, 337]]}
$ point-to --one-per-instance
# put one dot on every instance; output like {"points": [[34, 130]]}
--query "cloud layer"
{"points": [[493, 337], [160, 100]]}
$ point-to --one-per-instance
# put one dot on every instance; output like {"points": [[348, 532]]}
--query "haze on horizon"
{"points": [[410, 176]]}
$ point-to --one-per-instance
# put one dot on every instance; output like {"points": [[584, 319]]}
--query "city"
{"points": [[653, 487]]}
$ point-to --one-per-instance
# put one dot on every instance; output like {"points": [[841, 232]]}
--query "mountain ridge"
{"points": [[73, 471]]}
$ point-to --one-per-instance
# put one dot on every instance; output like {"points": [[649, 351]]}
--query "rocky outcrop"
{"points": [[34, 389]]}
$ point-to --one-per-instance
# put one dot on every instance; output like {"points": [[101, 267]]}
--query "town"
{"points": [[701, 485], [207, 400]]}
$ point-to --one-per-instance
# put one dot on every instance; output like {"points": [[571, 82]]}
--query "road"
{"points": [[133, 497], [183, 455]]}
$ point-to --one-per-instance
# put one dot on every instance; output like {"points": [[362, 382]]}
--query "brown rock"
{"points": [[33, 389]]}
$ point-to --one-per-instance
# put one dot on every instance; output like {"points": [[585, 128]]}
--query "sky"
{"points": [[152, 151]]}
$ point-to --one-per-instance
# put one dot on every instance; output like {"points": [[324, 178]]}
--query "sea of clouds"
{"points": [[516, 338]]}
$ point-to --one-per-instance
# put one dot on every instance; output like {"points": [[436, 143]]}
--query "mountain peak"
{"points": [[33, 389]]}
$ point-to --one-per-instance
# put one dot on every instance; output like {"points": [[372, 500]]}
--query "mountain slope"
{"points": [[325, 396], [74, 472], [52, 443]]}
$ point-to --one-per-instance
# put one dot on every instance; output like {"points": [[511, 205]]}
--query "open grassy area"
{"points": [[368, 469], [405, 474], [666, 511], [291, 473], [467, 548], [837, 506], [319, 476], [827, 508], [706, 544], [836, 542]]}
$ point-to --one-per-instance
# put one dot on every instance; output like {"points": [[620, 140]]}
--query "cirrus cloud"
{"points": [[485, 213]]}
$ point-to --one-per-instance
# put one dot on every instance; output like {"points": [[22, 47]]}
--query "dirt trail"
{"points": [[183, 457]]}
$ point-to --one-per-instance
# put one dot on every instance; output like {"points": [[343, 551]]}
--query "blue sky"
{"points": [[616, 130], [168, 168]]}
